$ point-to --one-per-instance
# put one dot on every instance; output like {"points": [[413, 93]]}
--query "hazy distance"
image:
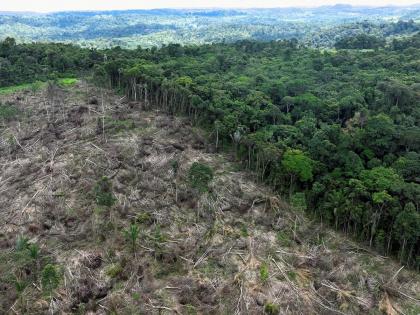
{"points": [[76, 5]]}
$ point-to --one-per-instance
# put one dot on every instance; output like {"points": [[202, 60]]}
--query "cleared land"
{"points": [[234, 248]]}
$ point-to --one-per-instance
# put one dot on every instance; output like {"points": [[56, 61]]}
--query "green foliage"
{"points": [[144, 218], [17, 88], [271, 309], [264, 273], [297, 163], [185, 81], [199, 176], [381, 197], [408, 166], [132, 234], [103, 193], [175, 166], [20, 285], [379, 134], [26, 253], [22, 243], [190, 309], [412, 310], [158, 237], [8, 112], [381, 179], [244, 230], [339, 136], [292, 275], [361, 41], [24, 266], [340, 128], [407, 225], [136, 296], [113, 271], [50, 278], [34, 252], [67, 82], [298, 201]]}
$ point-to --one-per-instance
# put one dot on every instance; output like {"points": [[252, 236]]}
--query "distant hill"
{"points": [[320, 27]]}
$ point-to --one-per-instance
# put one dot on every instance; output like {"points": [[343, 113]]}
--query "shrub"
{"points": [[244, 231], [33, 250], [114, 270], [103, 193], [298, 201], [8, 112], [199, 176], [175, 166], [22, 243], [50, 278], [144, 218], [271, 309], [20, 285]]}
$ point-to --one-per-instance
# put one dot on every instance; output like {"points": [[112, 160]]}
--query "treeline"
{"points": [[25, 63], [364, 41], [413, 42], [341, 127], [361, 41], [333, 125]]}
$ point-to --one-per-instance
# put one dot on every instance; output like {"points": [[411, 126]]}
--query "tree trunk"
{"points": [[291, 186], [217, 139]]}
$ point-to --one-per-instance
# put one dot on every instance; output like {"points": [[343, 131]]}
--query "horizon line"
{"points": [[216, 8]]}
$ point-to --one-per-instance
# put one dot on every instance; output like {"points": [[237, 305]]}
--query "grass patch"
{"points": [[271, 309], [35, 86], [22, 87], [412, 310], [67, 82], [264, 273]]}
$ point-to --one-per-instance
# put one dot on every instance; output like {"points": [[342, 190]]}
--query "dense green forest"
{"points": [[317, 27], [337, 132]]}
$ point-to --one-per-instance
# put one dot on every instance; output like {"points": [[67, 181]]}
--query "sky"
{"points": [[64, 5]]}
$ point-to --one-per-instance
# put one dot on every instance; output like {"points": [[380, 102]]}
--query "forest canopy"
{"points": [[340, 126]]}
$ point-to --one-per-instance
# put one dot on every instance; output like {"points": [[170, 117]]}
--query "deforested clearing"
{"points": [[108, 208]]}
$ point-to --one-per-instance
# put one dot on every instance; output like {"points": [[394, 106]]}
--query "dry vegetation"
{"points": [[79, 166]]}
